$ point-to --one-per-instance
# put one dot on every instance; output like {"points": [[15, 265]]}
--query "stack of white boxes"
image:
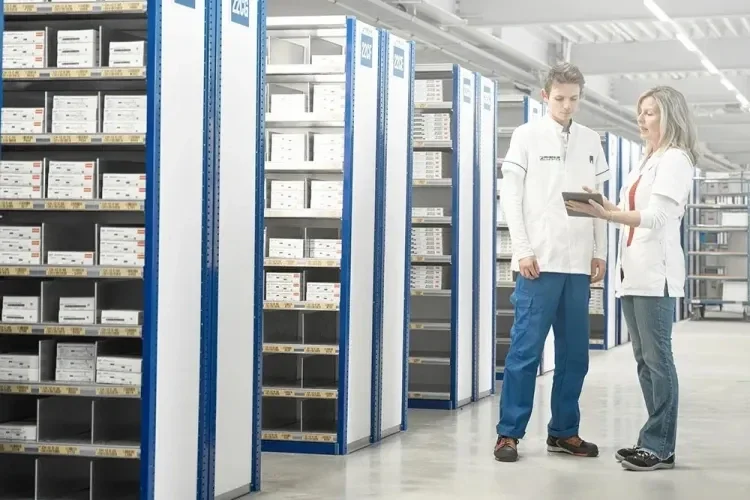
{"points": [[426, 277], [76, 362], [427, 212], [127, 54], [283, 286], [503, 272], [432, 127], [21, 179], [124, 187], [323, 292], [287, 147], [71, 180], [77, 48], [75, 114], [326, 195], [328, 148], [428, 165], [20, 245], [128, 317], [67, 258], [329, 99], [19, 430], [428, 91], [427, 241], [287, 195], [324, 248], [24, 49], [124, 114], [327, 60], [22, 121], [77, 311], [125, 370], [19, 367], [286, 248], [20, 309], [122, 246], [288, 104]]}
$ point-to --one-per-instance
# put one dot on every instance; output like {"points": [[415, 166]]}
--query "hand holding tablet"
{"points": [[584, 204]]}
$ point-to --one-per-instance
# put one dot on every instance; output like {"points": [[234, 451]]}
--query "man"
{"points": [[557, 257]]}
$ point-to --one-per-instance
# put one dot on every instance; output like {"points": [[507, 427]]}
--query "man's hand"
{"points": [[598, 268], [529, 267]]}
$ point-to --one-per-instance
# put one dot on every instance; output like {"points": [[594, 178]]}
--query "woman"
{"points": [[650, 270]]}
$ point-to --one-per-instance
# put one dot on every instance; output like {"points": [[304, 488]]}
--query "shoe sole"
{"points": [[619, 457], [506, 459], [557, 449], [632, 467]]}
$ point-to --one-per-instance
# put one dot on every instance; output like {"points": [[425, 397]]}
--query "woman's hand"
{"points": [[591, 208], [608, 205]]}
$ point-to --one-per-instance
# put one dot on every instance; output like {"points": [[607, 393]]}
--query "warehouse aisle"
{"points": [[450, 455]]}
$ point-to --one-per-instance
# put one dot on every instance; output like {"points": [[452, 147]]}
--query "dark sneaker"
{"points": [[624, 453], [644, 461], [506, 449], [573, 446]]}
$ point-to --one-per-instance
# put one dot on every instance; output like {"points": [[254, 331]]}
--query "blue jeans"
{"points": [[560, 301], [649, 321]]}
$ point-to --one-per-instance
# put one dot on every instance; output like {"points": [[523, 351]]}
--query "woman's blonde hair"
{"points": [[677, 125]]}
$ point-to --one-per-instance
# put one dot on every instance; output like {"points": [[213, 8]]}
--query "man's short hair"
{"points": [[563, 73]]}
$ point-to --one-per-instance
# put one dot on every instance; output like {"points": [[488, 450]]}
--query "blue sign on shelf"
{"points": [[186, 3], [241, 12], [365, 50], [487, 98], [399, 61], [467, 90]]}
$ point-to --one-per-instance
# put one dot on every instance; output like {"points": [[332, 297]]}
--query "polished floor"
{"points": [[448, 455]]}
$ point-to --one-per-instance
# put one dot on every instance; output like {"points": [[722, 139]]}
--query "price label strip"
{"points": [[299, 436]]}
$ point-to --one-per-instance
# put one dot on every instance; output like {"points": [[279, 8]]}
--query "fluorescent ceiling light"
{"points": [[727, 84], [656, 11], [689, 45]]}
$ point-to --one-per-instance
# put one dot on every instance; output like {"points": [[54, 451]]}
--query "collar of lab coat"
{"points": [[552, 123]]}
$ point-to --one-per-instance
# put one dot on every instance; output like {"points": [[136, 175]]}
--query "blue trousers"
{"points": [[649, 321], [560, 301]]}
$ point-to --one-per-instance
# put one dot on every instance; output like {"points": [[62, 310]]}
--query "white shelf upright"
{"points": [[602, 305], [325, 341], [485, 238], [441, 338], [128, 356], [629, 157], [392, 262]]}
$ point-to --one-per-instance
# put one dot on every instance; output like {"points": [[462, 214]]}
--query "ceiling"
{"points": [[621, 46]]}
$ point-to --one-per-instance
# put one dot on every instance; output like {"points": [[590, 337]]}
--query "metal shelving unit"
{"points": [[442, 332], [108, 235], [324, 341], [717, 246], [68, 423]]}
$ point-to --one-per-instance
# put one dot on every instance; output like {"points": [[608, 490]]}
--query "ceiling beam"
{"points": [[542, 12], [705, 90], [661, 56]]}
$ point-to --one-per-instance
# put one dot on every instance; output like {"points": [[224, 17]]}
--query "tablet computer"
{"points": [[582, 197]]}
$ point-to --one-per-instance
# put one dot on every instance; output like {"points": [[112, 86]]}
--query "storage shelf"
{"points": [[324, 241], [717, 241], [72, 8], [71, 376]]}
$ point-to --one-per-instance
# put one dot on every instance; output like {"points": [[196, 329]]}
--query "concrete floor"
{"points": [[448, 455]]}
